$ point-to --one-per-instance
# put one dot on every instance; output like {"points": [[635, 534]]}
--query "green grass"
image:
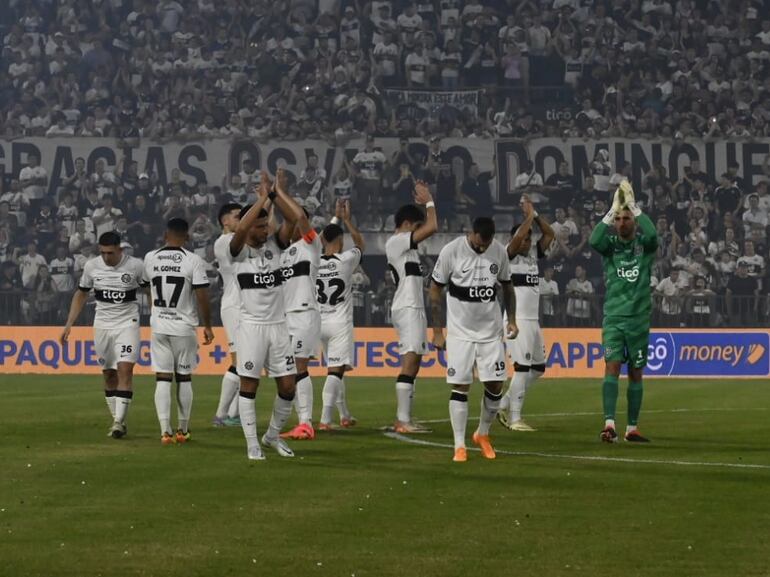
{"points": [[76, 503]]}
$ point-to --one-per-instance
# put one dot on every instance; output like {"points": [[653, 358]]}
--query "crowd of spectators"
{"points": [[298, 69]]}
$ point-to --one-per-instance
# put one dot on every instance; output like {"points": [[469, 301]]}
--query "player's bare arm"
{"points": [[509, 301], [241, 232], [76, 306], [291, 211], [548, 233], [355, 234], [523, 231], [430, 226], [204, 308], [436, 296]]}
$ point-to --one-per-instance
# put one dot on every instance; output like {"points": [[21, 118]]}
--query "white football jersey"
{"points": [[259, 277], [174, 274], [115, 291], [300, 270], [230, 295], [473, 313], [334, 286], [525, 276], [404, 266]]}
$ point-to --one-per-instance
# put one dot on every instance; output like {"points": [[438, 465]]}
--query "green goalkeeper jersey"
{"points": [[627, 268]]}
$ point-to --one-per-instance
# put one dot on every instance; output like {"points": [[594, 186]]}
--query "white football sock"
{"points": [[515, 395], [109, 397], [304, 398], [329, 396], [248, 411], [281, 412], [163, 405], [233, 412], [342, 401], [458, 415], [404, 396], [122, 402], [229, 393], [184, 401], [490, 403]]}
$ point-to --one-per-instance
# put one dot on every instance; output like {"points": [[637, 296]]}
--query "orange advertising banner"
{"points": [[572, 353]]}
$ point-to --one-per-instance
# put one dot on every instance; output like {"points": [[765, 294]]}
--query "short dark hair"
{"points": [[178, 226], [485, 227], [409, 213], [332, 232], [245, 209], [227, 208], [110, 238]]}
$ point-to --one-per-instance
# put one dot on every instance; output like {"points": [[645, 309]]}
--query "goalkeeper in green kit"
{"points": [[627, 254]]}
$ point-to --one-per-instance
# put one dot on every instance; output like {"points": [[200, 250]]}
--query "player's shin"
{"points": [[342, 401], [404, 396], [610, 399], [163, 404], [184, 397], [516, 391], [109, 397], [329, 397], [304, 398], [458, 416], [490, 404], [248, 411], [122, 402], [281, 412], [634, 395], [229, 392]]}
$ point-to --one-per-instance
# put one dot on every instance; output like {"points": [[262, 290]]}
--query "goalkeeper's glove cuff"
{"points": [[635, 210], [609, 218]]}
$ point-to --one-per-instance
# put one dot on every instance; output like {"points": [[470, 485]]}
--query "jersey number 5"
{"points": [[336, 297], [157, 285]]}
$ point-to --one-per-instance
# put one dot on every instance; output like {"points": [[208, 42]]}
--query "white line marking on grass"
{"points": [[646, 412], [424, 443]]}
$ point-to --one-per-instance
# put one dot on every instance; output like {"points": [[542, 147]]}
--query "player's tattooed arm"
{"points": [[509, 300], [204, 307], [355, 234], [523, 231], [548, 233], [430, 226], [241, 232], [76, 306], [436, 296], [292, 212]]}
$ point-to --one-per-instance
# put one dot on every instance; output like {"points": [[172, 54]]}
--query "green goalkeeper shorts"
{"points": [[626, 340]]}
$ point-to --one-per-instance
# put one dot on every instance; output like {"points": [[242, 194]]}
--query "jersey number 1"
{"points": [[157, 284]]}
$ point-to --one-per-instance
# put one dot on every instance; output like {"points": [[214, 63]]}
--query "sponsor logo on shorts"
{"points": [[248, 365], [100, 360], [332, 360], [451, 372], [186, 367]]}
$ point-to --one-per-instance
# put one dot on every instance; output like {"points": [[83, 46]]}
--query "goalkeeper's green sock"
{"points": [[634, 394], [610, 399]]}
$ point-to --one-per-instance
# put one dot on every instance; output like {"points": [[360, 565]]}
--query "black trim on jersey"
{"points": [[441, 284], [520, 279], [179, 248], [412, 269], [394, 273], [257, 280], [84, 289], [115, 296], [301, 268], [329, 256], [412, 242], [463, 293], [202, 285]]}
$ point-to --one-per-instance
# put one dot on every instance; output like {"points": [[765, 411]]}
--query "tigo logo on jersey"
{"points": [[629, 274]]}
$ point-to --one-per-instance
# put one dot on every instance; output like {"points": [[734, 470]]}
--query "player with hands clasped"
{"points": [[527, 350], [408, 308], [471, 268], [628, 254]]}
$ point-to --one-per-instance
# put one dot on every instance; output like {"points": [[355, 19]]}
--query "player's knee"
{"points": [[521, 368], [302, 375]]}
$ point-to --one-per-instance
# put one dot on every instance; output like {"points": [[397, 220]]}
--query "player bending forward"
{"points": [[336, 306], [527, 350], [230, 310], [263, 339], [408, 308], [471, 268], [114, 278], [628, 255], [175, 274]]}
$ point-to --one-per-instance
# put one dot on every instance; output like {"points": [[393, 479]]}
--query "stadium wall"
{"points": [[571, 353], [209, 160]]}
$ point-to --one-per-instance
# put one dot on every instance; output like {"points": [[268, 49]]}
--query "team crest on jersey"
{"points": [[249, 365], [293, 251], [638, 249], [451, 372], [269, 254], [126, 278], [493, 268]]}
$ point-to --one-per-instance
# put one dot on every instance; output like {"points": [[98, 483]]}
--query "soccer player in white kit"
{"points": [[408, 307], [177, 278], [527, 350], [471, 268], [263, 340], [300, 262], [336, 306], [114, 278], [230, 311]]}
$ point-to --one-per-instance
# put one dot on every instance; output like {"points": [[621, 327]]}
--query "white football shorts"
{"points": [[305, 331], [264, 347], [230, 320], [115, 346], [461, 355], [174, 354], [337, 342], [412, 328], [528, 348]]}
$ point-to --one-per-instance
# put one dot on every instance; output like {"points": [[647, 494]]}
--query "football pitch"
{"points": [[358, 503]]}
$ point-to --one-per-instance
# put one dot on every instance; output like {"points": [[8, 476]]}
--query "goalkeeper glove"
{"points": [[627, 191]]}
